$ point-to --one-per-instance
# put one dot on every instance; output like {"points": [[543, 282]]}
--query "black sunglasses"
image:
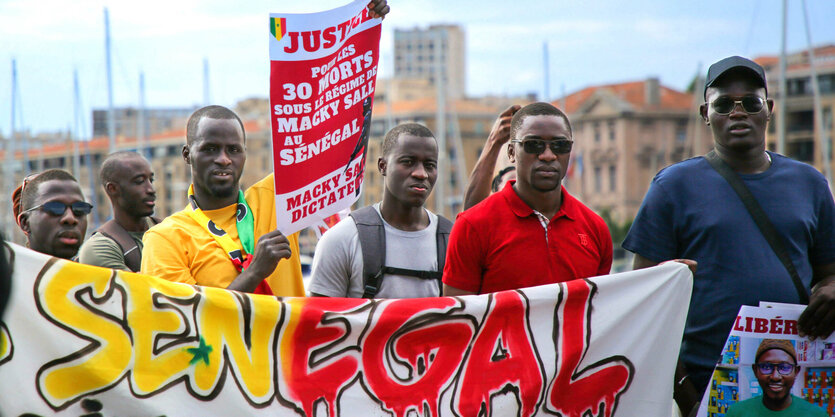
{"points": [[57, 208], [751, 104], [784, 368], [537, 146]]}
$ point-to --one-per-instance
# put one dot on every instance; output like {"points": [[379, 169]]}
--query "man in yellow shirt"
{"points": [[212, 241]]}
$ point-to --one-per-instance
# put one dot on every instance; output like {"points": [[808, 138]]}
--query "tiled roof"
{"points": [[633, 94], [102, 142], [429, 105]]}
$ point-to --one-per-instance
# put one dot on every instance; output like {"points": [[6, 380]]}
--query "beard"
{"points": [[223, 191]]}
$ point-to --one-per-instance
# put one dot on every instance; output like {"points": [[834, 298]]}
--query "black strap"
{"points": [[130, 250], [760, 218], [372, 237]]}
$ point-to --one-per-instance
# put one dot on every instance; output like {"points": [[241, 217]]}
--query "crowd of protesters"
{"points": [[520, 228]]}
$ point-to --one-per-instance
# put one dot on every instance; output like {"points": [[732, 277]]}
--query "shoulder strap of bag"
{"points": [[442, 238], [760, 218], [130, 250], [372, 237]]}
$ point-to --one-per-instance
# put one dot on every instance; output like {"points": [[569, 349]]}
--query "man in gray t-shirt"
{"points": [[409, 169]]}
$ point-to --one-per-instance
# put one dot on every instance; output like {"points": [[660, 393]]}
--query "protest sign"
{"points": [[79, 339], [735, 379], [323, 68]]}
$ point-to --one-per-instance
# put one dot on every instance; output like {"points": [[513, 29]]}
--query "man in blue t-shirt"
{"points": [[690, 211]]}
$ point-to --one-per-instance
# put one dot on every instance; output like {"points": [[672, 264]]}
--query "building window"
{"points": [[596, 128], [478, 128], [598, 180], [613, 172], [612, 131]]}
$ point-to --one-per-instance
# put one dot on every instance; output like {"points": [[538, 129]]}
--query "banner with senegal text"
{"points": [[78, 339], [322, 72]]}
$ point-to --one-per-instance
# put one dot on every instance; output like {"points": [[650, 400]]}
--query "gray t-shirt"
{"points": [[337, 262]]}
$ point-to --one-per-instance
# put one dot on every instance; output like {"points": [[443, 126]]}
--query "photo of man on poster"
{"points": [[776, 368]]}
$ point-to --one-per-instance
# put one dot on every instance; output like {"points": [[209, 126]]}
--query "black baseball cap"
{"points": [[732, 62]]}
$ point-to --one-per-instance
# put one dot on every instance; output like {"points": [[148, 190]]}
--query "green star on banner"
{"points": [[200, 352]]}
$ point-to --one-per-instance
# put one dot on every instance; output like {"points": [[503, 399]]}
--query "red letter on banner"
{"points": [[316, 326], [412, 352], [502, 360], [583, 392]]}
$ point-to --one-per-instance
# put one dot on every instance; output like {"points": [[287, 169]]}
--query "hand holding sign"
{"points": [[378, 8]]}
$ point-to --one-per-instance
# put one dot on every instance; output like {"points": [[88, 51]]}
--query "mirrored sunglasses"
{"points": [[57, 208], [751, 104], [537, 146]]}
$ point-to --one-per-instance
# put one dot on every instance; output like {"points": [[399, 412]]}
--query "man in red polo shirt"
{"points": [[532, 232]]}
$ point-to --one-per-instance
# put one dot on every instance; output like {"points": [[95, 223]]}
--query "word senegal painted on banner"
{"points": [[134, 342]]}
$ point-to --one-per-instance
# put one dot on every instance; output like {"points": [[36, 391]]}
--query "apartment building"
{"points": [[430, 52], [803, 143], [623, 135]]}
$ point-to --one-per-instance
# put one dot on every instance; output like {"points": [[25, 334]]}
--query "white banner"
{"points": [[81, 339]]}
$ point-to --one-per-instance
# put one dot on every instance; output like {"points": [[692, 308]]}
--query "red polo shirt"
{"points": [[500, 244]]}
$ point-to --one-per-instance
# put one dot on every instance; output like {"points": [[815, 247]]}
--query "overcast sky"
{"points": [[590, 42]]}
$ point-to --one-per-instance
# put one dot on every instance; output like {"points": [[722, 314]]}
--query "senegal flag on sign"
{"points": [[278, 27]]}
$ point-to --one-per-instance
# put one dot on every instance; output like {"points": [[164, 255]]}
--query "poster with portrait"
{"points": [[765, 364], [323, 68]]}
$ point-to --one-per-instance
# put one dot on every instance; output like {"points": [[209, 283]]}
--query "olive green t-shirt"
{"points": [[100, 250]]}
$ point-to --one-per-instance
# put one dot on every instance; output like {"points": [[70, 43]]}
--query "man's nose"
{"points": [[547, 154], [737, 110], [223, 158], [420, 171], [69, 217]]}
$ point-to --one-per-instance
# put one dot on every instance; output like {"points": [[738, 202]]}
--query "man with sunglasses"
{"points": [[692, 212], [775, 366], [532, 232], [54, 214], [129, 183]]}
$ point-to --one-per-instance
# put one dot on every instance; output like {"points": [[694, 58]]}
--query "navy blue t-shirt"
{"points": [[691, 212]]}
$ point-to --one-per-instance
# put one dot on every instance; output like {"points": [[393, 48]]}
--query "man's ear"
{"points": [[381, 165], [23, 221], [703, 113], [770, 103], [111, 188], [186, 154], [511, 152]]}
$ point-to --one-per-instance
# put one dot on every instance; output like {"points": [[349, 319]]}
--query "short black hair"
{"points": [[536, 109], [30, 192], [411, 128], [212, 112], [110, 166], [498, 178]]}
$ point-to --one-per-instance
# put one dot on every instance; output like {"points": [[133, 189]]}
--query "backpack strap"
{"points": [[442, 239], [761, 219], [372, 237], [130, 250]]}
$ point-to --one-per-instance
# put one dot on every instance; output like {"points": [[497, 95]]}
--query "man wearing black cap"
{"points": [[691, 211]]}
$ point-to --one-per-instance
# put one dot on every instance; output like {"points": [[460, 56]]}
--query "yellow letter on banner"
{"points": [[244, 326], [151, 319], [105, 360]]}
